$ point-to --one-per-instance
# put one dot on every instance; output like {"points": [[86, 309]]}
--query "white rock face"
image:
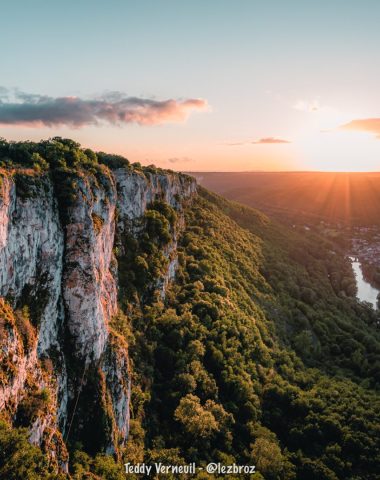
{"points": [[31, 252], [71, 272], [115, 365], [136, 191], [89, 288], [23, 363]]}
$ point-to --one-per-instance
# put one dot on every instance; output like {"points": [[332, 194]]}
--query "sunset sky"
{"points": [[208, 85]]}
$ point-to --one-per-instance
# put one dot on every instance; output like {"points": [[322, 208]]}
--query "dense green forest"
{"points": [[259, 353]]}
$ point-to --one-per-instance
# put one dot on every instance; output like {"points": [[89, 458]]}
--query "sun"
{"points": [[324, 146]]}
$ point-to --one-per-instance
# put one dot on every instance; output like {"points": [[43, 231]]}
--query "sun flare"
{"points": [[340, 152]]}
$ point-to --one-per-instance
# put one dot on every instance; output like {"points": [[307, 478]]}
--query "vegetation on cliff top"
{"points": [[66, 163]]}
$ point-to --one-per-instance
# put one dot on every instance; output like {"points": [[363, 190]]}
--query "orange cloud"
{"points": [[270, 140], [260, 141], [371, 125], [116, 109]]}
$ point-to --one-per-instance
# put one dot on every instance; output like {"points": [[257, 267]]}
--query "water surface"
{"points": [[366, 292]]}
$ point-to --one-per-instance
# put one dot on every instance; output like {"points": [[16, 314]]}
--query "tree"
{"points": [[19, 458], [267, 457], [196, 420]]}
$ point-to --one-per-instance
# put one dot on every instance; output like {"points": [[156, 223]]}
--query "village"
{"points": [[366, 245]]}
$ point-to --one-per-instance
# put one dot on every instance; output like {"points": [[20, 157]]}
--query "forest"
{"points": [[259, 353]]}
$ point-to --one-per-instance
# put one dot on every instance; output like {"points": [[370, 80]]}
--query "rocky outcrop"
{"points": [[115, 365], [31, 252], [89, 287], [57, 260], [136, 190]]}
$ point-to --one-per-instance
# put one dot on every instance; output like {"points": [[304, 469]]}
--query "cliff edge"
{"points": [[68, 217]]}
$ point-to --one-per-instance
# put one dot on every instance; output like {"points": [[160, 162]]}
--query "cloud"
{"points": [[370, 125], [270, 140], [260, 141], [115, 109], [307, 105], [3, 93], [312, 106], [179, 159], [234, 144]]}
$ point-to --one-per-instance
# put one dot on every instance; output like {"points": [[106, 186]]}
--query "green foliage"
{"points": [[165, 210], [25, 328], [224, 361], [157, 226], [197, 420], [71, 167], [63, 160], [113, 161], [19, 459], [267, 456], [143, 261], [32, 406], [313, 307], [258, 354], [101, 466]]}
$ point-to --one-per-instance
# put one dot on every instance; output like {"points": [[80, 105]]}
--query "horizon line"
{"points": [[279, 171]]}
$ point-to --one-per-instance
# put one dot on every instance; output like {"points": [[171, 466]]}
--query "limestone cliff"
{"points": [[59, 292]]}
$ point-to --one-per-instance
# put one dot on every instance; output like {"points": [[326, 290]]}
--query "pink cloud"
{"points": [[38, 110], [260, 141], [270, 140], [371, 125]]}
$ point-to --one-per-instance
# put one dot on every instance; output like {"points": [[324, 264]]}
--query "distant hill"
{"points": [[344, 197]]}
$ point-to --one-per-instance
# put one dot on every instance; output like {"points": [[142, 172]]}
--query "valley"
{"points": [[342, 207], [145, 318]]}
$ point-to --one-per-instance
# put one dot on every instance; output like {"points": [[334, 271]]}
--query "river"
{"points": [[366, 292]]}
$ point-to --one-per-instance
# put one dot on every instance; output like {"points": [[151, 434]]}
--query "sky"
{"points": [[210, 85]]}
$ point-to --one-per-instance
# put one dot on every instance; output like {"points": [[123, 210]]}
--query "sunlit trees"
{"points": [[197, 420], [19, 459]]}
